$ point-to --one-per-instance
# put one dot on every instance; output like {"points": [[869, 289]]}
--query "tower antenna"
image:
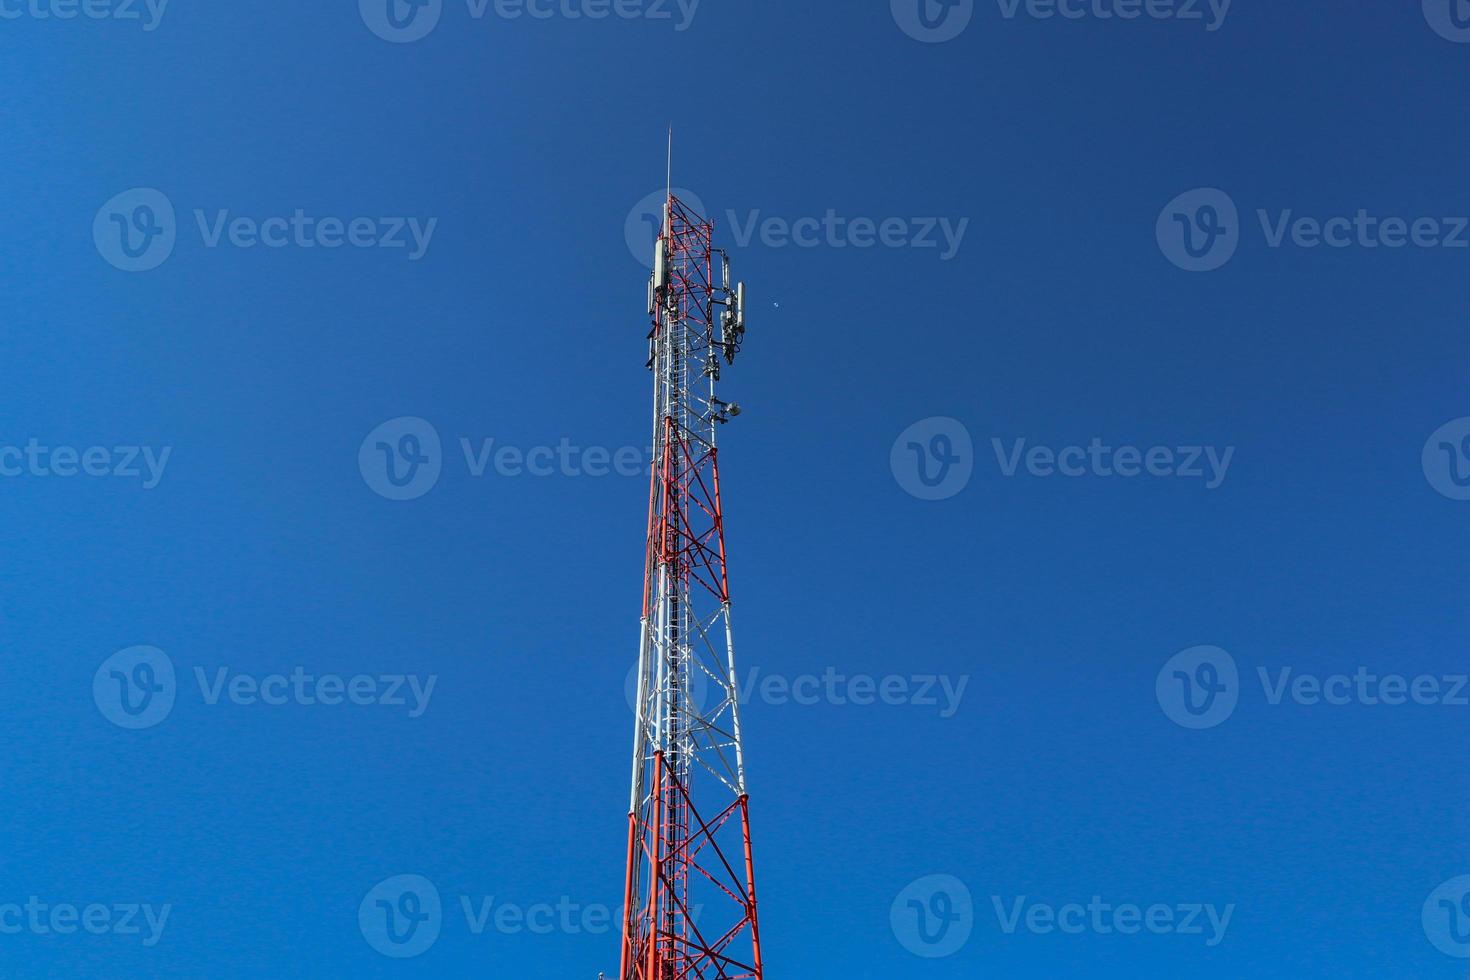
{"points": [[690, 888]]}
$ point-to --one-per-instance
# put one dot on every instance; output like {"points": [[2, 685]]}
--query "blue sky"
{"points": [[1221, 253]]}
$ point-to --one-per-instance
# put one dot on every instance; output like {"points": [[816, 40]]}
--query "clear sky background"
{"points": [[1060, 319]]}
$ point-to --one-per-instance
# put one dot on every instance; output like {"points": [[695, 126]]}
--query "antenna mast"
{"points": [[689, 844]]}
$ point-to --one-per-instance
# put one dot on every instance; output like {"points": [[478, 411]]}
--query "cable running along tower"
{"points": [[690, 897]]}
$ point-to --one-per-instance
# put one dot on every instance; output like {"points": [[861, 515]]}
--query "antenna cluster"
{"points": [[727, 331], [732, 321]]}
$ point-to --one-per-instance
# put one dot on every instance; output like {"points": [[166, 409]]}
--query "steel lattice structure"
{"points": [[690, 897]]}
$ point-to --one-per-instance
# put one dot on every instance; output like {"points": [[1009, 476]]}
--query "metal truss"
{"points": [[690, 896]]}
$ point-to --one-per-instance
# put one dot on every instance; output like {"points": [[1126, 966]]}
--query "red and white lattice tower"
{"points": [[691, 907]]}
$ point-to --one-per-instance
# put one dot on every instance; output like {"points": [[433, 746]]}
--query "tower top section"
{"points": [[684, 285]]}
